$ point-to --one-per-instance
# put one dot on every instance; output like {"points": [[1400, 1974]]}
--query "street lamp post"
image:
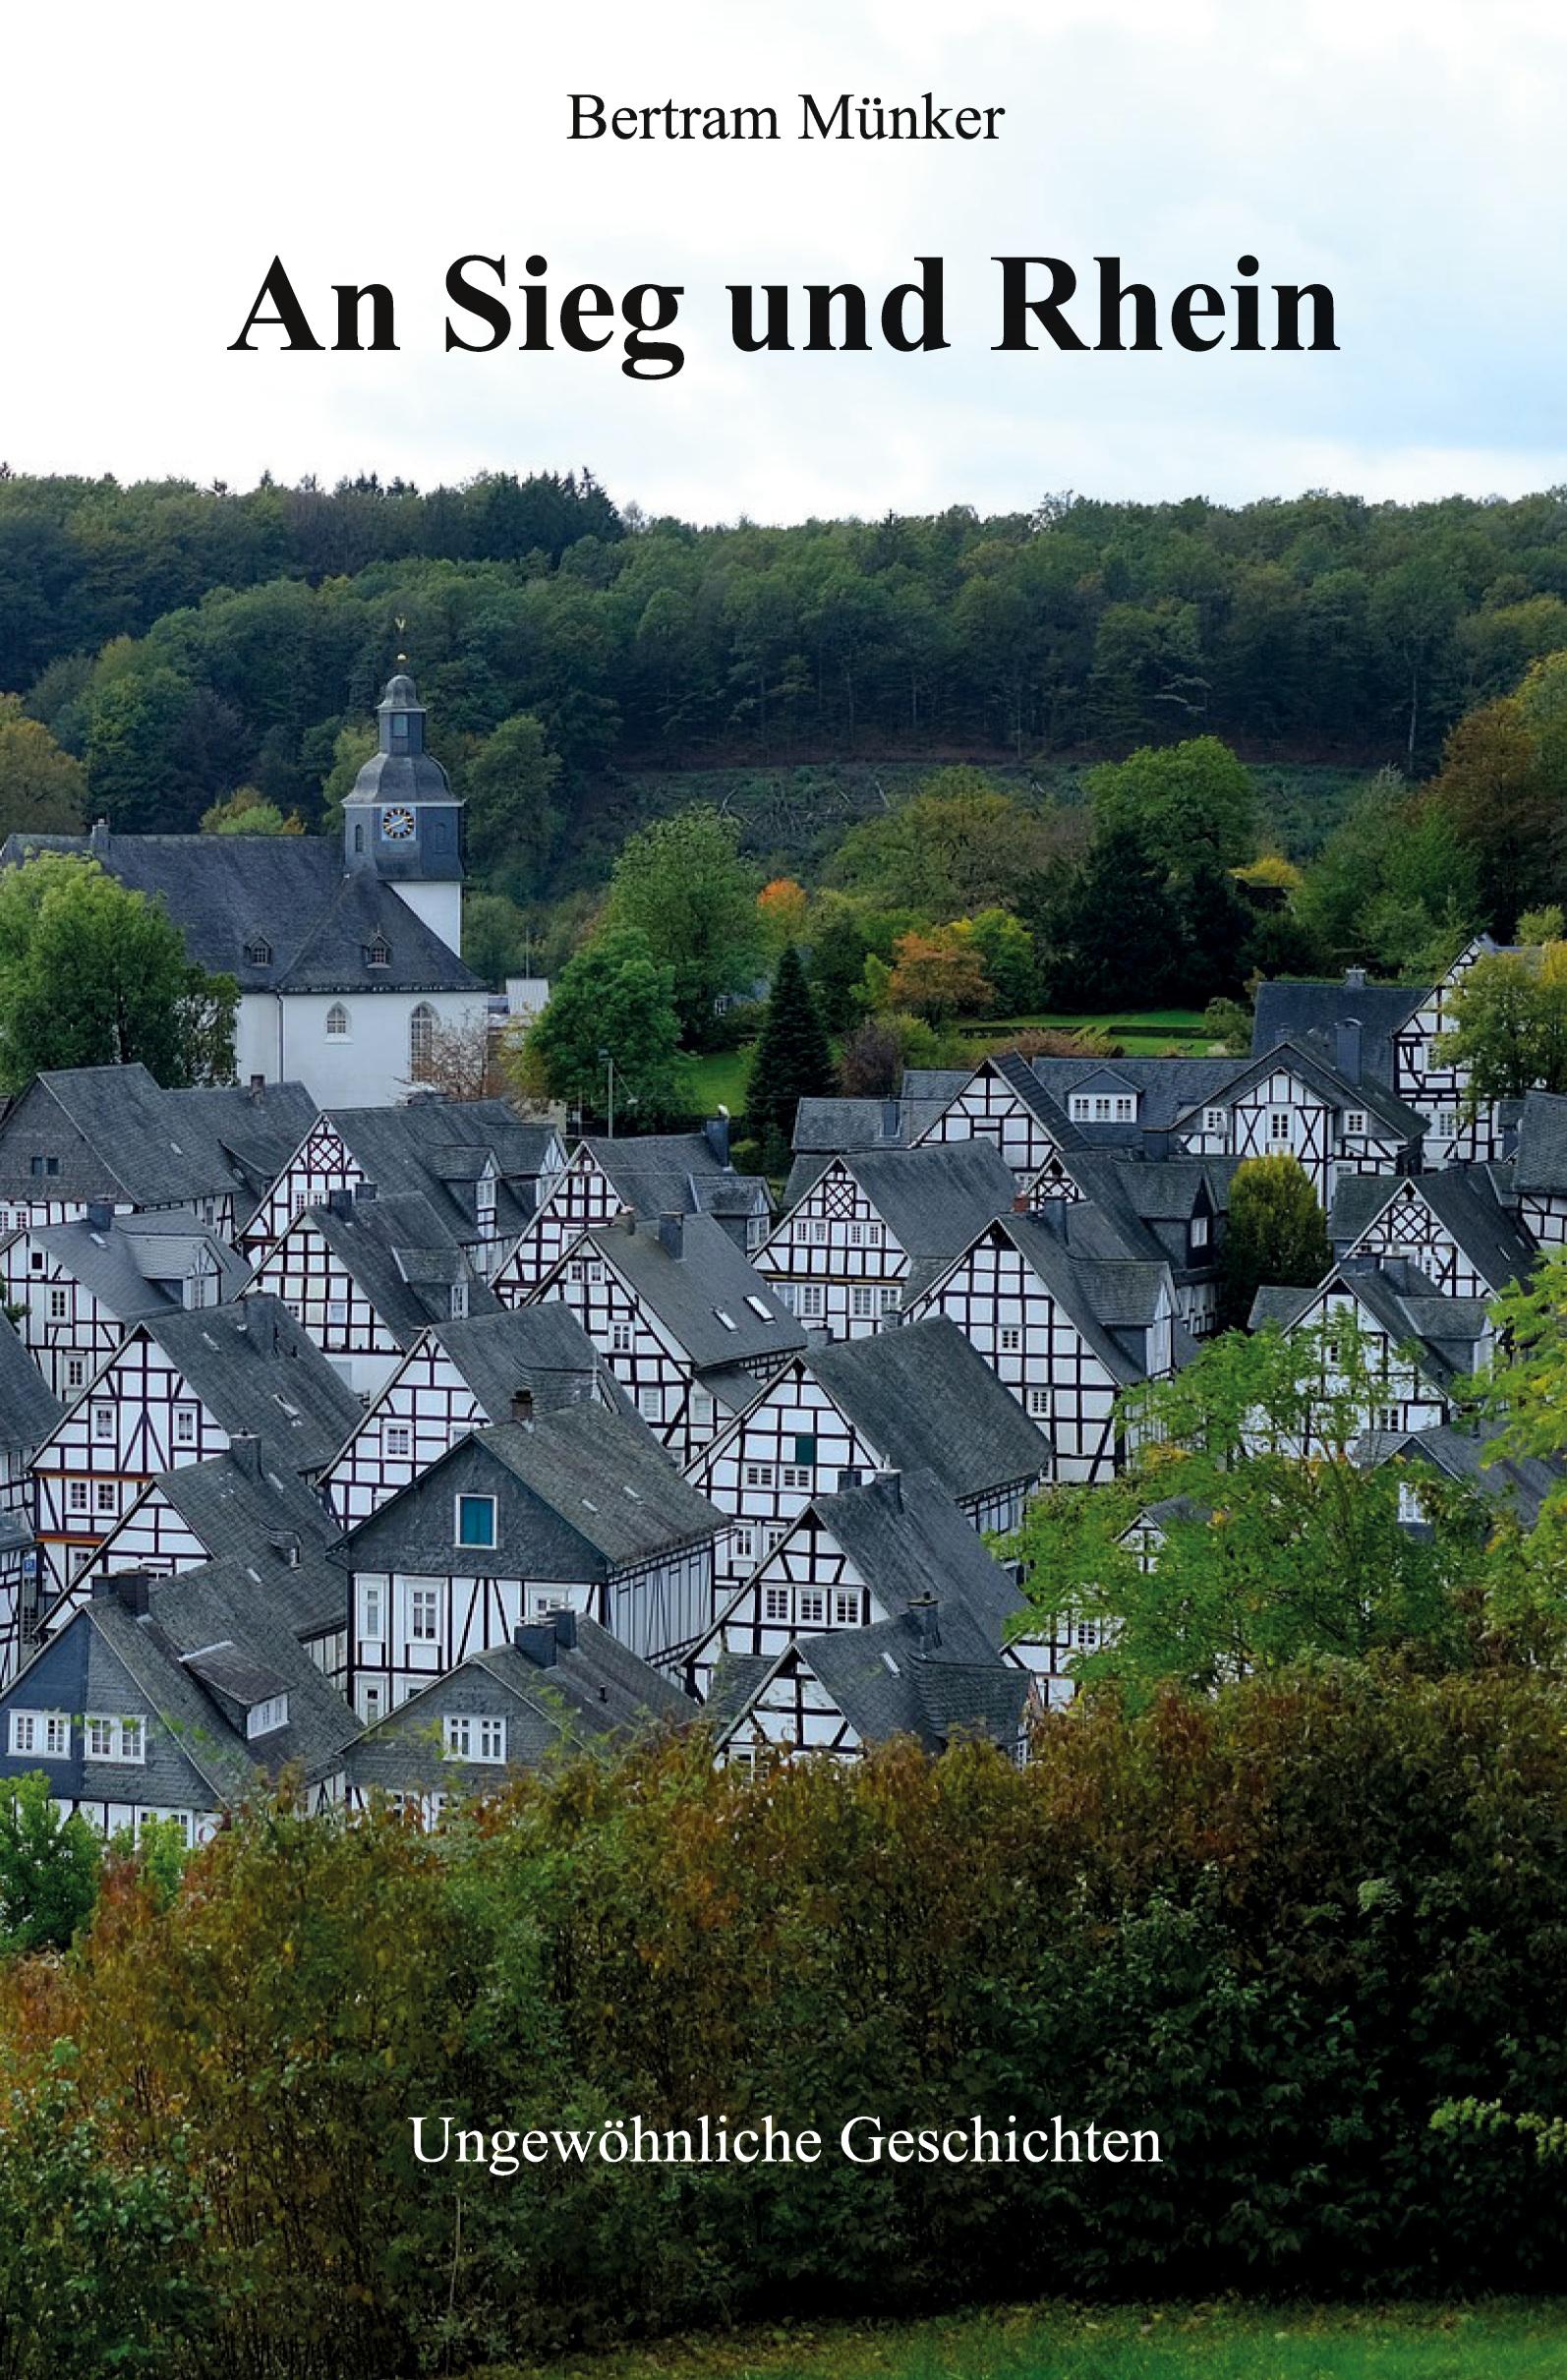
{"points": [[609, 1063]]}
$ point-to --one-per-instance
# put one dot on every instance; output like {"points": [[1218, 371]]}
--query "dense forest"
{"points": [[183, 642]]}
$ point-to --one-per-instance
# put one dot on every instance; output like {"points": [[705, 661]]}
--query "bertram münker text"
{"points": [[1043, 301], [716, 2140], [844, 118]]}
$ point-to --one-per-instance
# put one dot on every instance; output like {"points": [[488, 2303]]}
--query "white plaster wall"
{"points": [[285, 1041]]}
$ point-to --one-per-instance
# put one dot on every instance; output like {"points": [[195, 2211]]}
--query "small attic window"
{"points": [[727, 1321], [377, 953], [258, 952], [265, 1719]]}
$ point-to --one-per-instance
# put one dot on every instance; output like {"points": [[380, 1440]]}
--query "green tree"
{"points": [[791, 1062], [92, 974], [1186, 801], [351, 748], [1275, 1232], [496, 937], [1221, 1551], [960, 845], [614, 1001], [1509, 1014], [42, 790], [247, 812], [160, 748], [48, 1867], [1006, 952], [1109, 929], [511, 822], [1502, 803], [680, 883]]}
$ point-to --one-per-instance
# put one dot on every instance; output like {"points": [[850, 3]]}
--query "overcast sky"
{"points": [[1408, 153]]}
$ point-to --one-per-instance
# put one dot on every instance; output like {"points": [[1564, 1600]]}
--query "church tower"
{"points": [[404, 821]]}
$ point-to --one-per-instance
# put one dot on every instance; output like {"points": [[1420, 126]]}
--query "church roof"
{"points": [[288, 893]]}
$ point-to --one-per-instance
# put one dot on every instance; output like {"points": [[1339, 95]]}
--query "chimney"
{"points": [[537, 1642], [1354, 980], [892, 1482], [565, 1621], [1020, 1204], [671, 1236], [340, 1201], [522, 1407], [628, 1221], [98, 840], [367, 1190], [891, 1120], [715, 1133], [100, 1216], [1347, 1048], [131, 1587], [245, 1451], [256, 1086], [923, 1611]]}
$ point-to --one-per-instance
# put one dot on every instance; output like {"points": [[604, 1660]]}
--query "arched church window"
{"points": [[337, 1021], [420, 1041]]}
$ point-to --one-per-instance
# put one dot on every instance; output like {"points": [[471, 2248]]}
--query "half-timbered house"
{"points": [[862, 1233], [860, 1556], [481, 1171], [685, 1174], [1456, 1226], [1421, 1345], [561, 1684], [1462, 1457], [76, 1288], [917, 1398], [1173, 1212], [1292, 1103], [29, 1412], [576, 1508], [1540, 1167], [459, 1377], [1064, 1333], [173, 1699], [687, 1325], [245, 1505], [177, 1390], [110, 1134], [367, 1276], [930, 1673], [1005, 1102]]}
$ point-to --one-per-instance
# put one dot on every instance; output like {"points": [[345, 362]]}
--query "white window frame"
{"points": [[424, 1615], [44, 1735], [119, 1742]]}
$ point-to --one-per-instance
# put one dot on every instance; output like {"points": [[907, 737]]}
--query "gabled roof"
{"points": [[438, 1149], [1520, 1482], [541, 1349], [824, 1126], [253, 1507], [1443, 1332], [207, 1612], [147, 1146], [258, 1129], [1312, 1011], [1132, 1208], [224, 891], [1100, 1295], [259, 1373], [586, 1689], [1319, 1073], [29, 1410], [907, 1539], [925, 1397], [932, 1199], [402, 1255], [890, 1680], [582, 1492], [134, 1264], [715, 1305], [676, 1174], [1464, 1200], [1167, 1089]]}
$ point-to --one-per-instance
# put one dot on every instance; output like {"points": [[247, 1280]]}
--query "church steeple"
{"points": [[402, 822]]}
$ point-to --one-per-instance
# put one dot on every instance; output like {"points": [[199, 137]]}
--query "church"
{"points": [[348, 956]]}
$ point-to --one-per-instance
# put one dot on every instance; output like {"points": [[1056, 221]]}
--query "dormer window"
{"points": [[1355, 1122], [1215, 1118], [258, 952], [265, 1719], [377, 953]]}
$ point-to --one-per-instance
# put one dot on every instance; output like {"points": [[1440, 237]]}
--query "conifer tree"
{"points": [[791, 1062], [1276, 1234]]}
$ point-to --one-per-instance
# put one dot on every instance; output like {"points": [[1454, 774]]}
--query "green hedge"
{"points": [[1284, 1930]]}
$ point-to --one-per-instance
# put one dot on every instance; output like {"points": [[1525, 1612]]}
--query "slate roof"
{"points": [[691, 1292], [827, 1126], [1130, 1208], [1167, 1089], [595, 1492], [259, 1373], [1463, 1198], [224, 891], [29, 1410], [137, 1264], [436, 1147], [543, 1349], [676, 1174], [257, 1129], [888, 1681], [1100, 1293], [587, 1689], [148, 1147], [1540, 1165], [1320, 1074], [1520, 1482], [247, 1505], [932, 1199], [198, 1612], [1443, 1332], [1312, 1011], [926, 1399], [402, 1255]]}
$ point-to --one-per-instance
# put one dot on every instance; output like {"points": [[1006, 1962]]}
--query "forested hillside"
{"points": [[181, 643]]}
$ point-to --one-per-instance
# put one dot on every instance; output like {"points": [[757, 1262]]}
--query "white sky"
{"points": [[1406, 151]]}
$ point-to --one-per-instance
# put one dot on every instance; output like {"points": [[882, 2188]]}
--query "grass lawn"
{"points": [[1500, 2341], [719, 1081]]}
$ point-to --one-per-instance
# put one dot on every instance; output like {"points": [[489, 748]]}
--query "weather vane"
{"points": [[400, 623]]}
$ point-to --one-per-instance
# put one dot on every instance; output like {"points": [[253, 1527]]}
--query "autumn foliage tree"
{"points": [[938, 977]]}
